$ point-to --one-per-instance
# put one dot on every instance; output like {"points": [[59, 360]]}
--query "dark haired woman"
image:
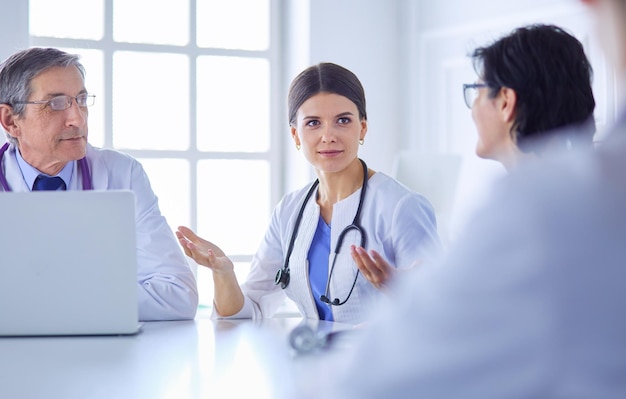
{"points": [[306, 252], [533, 95]]}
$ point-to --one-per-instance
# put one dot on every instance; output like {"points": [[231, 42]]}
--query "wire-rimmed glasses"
{"points": [[470, 92], [59, 103]]}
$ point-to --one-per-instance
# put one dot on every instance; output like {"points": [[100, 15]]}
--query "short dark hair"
{"points": [[325, 77], [551, 76]]}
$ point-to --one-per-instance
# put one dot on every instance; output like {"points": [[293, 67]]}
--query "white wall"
{"points": [[365, 37]]}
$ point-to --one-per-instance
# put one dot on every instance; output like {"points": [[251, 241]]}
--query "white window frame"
{"points": [[274, 154]]}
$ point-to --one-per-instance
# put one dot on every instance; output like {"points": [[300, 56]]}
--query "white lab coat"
{"points": [[530, 302], [166, 285], [399, 224]]}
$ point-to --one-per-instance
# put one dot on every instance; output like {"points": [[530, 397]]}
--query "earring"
{"points": [[361, 141], [298, 147]]}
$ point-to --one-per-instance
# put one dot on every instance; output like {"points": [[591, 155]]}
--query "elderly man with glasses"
{"points": [[43, 110]]}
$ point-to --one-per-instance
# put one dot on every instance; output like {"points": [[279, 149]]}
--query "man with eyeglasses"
{"points": [[43, 110]]}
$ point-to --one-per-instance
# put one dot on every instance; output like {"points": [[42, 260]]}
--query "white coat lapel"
{"points": [[299, 288], [99, 172], [345, 269]]}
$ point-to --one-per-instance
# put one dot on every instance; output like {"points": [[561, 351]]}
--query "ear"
{"points": [[7, 119], [294, 135], [363, 129], [508, 101]]}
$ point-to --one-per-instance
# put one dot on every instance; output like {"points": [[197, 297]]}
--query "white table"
{"points": [[200, 358]]}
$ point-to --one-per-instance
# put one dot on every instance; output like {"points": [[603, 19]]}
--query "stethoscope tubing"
{"points": [[282, 277]]}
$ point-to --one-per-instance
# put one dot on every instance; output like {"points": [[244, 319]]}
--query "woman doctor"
{"points": [[306, 252]]}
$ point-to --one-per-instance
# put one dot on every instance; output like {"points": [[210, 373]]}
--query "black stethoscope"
{"points": [[82, 166], [282, 276]]}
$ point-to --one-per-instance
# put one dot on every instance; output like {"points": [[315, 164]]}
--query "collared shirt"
{"points": [[29, 173]]}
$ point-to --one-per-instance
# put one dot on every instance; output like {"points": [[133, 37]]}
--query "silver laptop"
{"points": [[68, 263]]}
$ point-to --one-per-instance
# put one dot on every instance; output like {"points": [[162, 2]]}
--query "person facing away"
{"points": [[533, 96], [43, 110], [528, 302], [305, 253]]}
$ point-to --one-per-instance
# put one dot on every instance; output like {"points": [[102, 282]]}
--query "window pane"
{"points": [[169, 179], [59, 18], [150, 101], [233, 104], [233, 24], [151, 21], [233, 203], [93, 62]]}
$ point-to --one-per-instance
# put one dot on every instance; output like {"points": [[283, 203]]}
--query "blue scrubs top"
{"points": [[318, 268]]}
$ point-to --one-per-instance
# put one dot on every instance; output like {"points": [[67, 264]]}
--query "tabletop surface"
{"points": [[198, 358]]}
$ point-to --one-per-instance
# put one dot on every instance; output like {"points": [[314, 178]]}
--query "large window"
{"points": [[186, 87]]}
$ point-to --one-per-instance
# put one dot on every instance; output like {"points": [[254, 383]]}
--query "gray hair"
{"points": [[17, 71]]}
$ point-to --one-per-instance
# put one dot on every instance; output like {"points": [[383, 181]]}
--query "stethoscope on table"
{"points": [[305, 339], [282, 276], [83, 166]]}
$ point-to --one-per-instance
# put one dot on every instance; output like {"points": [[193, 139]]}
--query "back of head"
{"points": [[17, 71], [325, 78], [551, 76]]}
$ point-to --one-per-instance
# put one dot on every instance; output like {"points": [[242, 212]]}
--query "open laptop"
{"points": [[68, 263]]}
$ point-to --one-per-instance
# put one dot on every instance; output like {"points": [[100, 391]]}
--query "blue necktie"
{"points": [[48, 183]]}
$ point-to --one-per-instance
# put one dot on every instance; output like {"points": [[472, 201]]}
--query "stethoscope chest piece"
{"points": [[282, 278]]}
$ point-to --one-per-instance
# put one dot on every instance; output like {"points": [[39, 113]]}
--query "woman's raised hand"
{"points": [[373, 266], [204, 252]]}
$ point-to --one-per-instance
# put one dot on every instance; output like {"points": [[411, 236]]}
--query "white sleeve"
{"points": [[414, 231], [166, 285]]}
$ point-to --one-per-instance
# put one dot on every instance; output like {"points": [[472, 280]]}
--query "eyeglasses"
{"points": [[470, 92], [59, 103]]}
